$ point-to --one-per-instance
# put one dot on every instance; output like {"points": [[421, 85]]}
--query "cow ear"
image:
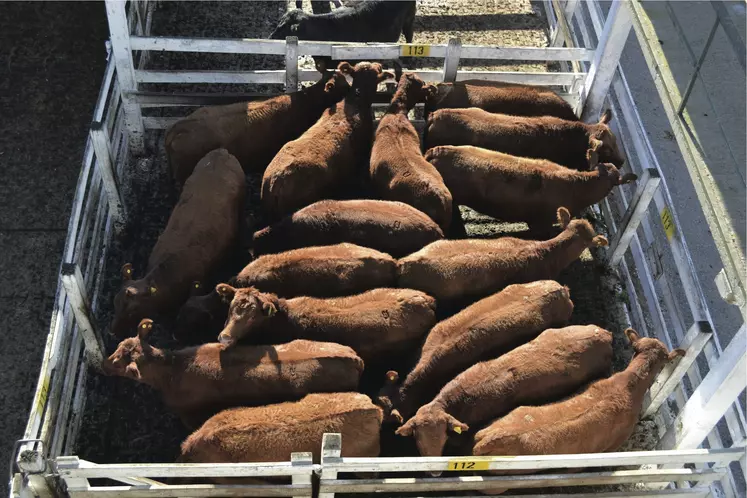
{"points": [[606, 117], [131, 291], [144, 328], [675, 353], [599, 241], [345, 68], [564, 217], [269, 309], [329, 86], [457, 426], [132, 371], [392, 377], [405, 430], [127, 272], [632, 335], [430, 92], [628, 178], [385, 75], [225, 290]]}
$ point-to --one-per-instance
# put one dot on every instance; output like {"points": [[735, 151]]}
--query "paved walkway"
{"points": [[52, 58]]}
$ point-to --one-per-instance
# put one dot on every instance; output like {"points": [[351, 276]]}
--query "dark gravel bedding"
{"points": [[125, 421]]}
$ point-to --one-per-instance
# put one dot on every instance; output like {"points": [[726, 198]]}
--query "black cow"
{"points": [[370, 21]]}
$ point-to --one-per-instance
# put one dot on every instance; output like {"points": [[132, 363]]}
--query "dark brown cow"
{"points": [[551, 366], [484, 330], [271, 433], [545, 137], [253, 131], [599, 418], [513, 188], [201, 317], [374, 323], [198, 382], [398, 169], [320, 271], [504, 98], [201, 231], [323, 159], [391, 227], [472, 269]]}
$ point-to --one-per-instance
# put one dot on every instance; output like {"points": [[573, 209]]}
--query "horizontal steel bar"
{"points": [[341, 51]]}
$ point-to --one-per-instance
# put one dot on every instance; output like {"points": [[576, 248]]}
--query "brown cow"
{"points": [[484, 330], [253, 131], [201, 316], [397, 167], [391, 227], [373, 323], [513, 188], [323, 159], [553, 365], [472, 269], [504, 98], [320, 271], [599, 418], [198, 382], [201, 231], [271, 433], [544, 137]]}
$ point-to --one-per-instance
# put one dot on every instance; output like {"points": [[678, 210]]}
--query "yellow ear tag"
{"points": [[152, 290], [458, 429], [197, 286], [271, 312]]}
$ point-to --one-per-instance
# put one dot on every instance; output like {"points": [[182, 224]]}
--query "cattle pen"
{"points": [[700, 425]]}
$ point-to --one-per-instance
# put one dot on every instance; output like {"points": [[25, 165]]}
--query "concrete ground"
{"points": [[716, 110], [52, 58]]}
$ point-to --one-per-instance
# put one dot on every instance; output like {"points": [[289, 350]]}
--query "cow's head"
{"points": [[607, 171], [581, 228], [291, 24], [431, 427], [387, 397], [335, 87], [414, 90], [135, 300], [131, 353], [608, 150], [366, 77], [249, 308], [655, 351]]}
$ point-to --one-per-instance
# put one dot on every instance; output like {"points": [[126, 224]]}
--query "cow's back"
{"points": [[271, 433], [205, 222]]}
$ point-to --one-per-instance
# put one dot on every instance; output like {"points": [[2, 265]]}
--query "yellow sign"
{"points": [[416, 50], [468, 465], [668, 221], [43, 393]]}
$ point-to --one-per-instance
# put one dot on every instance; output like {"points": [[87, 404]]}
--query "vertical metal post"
{"points": [[709, 402], [122, 51], [331, 451], [694, 342], [451, 63], [291, 64], [647, 186], [105, 165], [606, 57], [302, 459], [75, 289]]}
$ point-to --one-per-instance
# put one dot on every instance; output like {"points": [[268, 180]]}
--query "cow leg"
{"points": [[408, 26], [321, 7], [456, 227]]}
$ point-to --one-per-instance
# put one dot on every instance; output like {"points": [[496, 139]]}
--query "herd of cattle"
{"points": [[342, 288]]}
